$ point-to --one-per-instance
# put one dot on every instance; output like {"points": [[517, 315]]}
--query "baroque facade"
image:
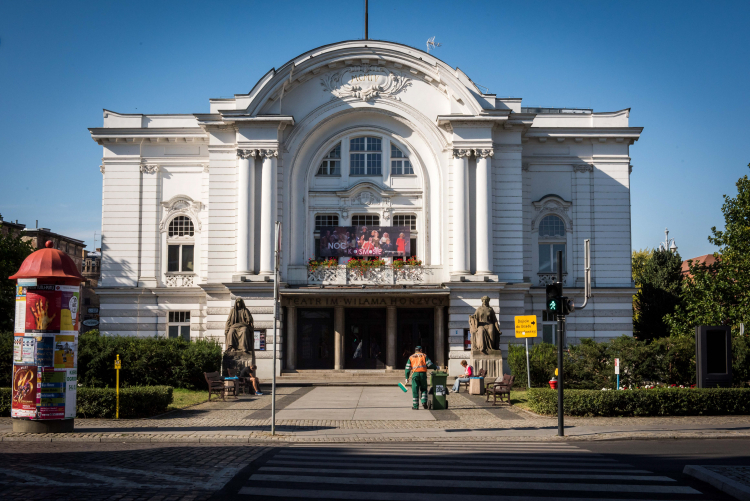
{"points": [[363, 133]]}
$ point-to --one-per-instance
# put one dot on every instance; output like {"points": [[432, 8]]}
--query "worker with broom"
{"points": [[418, 365]]}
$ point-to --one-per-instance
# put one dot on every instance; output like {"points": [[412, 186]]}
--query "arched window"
{"points": [[181, 245], [331, 164], [551, 240], [400, 164], [366, 156]]}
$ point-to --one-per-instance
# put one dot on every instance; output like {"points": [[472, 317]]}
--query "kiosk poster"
{"points": [[354, 241], [71, 391], [50, 395], [28, 350], [24, 391], [66, 351], [20, 324], [43, 305], [69, 302], [45, 350], [18, 349]]}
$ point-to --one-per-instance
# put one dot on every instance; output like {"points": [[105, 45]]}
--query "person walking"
{"points": [[417, 365], [463, 378]]}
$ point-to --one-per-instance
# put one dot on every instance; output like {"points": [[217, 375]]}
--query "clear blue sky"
{"points": [[682, 67]]}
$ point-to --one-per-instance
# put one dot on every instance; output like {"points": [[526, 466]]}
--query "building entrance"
{"points": [[315, 339], [364, 338], [416, 327]]}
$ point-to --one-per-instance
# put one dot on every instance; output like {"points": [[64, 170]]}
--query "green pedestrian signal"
{"points": [[554, 293], [552, 305]]}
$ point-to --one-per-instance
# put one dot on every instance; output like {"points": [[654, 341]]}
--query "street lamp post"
{"points": [[667, 244]]}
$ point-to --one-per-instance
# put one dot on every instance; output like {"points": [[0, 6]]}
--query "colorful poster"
{"points": [[50, 395], [28, 350], [20, 324], [66, 351], [24, 391], [351, 241], [71, 379], [45, 350], [43, 304], [70, 296], [18, 349]]}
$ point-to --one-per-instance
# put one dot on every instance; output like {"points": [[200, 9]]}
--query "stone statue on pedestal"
{"points": [[485, 340], [238, 331]]}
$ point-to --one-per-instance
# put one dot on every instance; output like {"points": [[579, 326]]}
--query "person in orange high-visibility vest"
{"points": [[417, 365]]}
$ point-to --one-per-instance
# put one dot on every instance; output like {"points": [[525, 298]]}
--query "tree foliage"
{"points": [[13, 251], [659, 293]]}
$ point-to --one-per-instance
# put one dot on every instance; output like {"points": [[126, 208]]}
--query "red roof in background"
{"points": [[707, 259], [48, 263]]}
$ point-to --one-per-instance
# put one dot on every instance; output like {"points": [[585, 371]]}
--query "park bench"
{"points": [[244, 383], [217, 385], [480, 373], [500, 388]]}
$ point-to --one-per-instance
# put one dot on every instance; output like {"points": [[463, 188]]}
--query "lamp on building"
{"points": [[667, 244]]}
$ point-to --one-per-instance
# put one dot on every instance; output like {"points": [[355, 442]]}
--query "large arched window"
{"points": [[551, 239], [331, 164], [181, 245], [400, 164]]}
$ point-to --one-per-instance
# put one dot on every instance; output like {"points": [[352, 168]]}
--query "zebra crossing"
{"points": [[469, 471]]}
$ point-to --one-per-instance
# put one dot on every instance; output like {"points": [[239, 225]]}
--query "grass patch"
{"points": [[184, 398], [519, 398]]}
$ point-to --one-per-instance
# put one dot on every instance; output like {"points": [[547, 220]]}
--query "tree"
{"points": [[640, 258], [13, 251], [719, 294], [660, 283]]}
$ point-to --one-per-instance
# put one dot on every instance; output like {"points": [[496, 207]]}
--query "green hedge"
{"points": [[135, 401], [652, 402], [590, 365]]}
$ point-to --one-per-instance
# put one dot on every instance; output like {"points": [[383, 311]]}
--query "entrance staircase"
{"points": [[348, 377]]}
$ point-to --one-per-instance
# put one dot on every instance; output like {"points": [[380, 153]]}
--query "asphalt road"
{"points": [[642, 470]]}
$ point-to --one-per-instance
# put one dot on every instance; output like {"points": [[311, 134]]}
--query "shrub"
{"points": [[653, 402], [145, 361], [6, 358], [135, 401]]}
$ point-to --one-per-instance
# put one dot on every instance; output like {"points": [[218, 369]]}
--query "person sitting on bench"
{"points": [[463, 378], [249, 374]]}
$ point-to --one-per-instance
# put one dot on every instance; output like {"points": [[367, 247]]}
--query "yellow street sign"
{"points": [[526, 326]]}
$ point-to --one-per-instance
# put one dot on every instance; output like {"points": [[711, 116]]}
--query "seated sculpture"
{"points": [[485, 329], [238, 331]]}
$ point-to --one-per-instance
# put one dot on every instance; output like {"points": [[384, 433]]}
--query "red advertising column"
{"points": [[45, 348]]}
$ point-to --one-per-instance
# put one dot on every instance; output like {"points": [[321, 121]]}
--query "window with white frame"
{"points": [[551, 239], [365, 156], [365, 220], [400, 164], [549, 327], [409, 220], [331, 164], [326, 220], [181, 245], [179, 325]]}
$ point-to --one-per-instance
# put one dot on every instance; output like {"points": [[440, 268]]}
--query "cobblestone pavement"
{"points": [[469, 417]]}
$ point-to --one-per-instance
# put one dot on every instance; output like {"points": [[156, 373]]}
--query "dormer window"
{"points": [[366, 156], [400, 164], [331, 164]]}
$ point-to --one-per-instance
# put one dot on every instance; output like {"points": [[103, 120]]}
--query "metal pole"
{"points": [[560, 336], [528, 371], [275, 322], [367, 21]]}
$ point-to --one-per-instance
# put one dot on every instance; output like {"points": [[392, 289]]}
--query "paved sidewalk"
{"points": [[371, 414]]}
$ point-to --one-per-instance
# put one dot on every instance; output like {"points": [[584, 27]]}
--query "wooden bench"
{"points": [[217, 385], [480, 373], [500, 388]]}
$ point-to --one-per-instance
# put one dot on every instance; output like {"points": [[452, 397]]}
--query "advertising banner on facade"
{"points": [[70, 296], [50, 394], [357, 241], [20, 323], [24, 391]]}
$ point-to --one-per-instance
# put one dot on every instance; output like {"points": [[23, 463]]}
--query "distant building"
{"points": [[91, 271], [70, 246], [10, 227], [707, 259]]}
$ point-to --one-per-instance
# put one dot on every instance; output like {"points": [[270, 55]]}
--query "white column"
{"points": [[244, 210], [460, 229], [267, 211], [484, 211]]}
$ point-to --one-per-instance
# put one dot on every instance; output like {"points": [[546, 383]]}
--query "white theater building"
{"points": [[363, 133]]}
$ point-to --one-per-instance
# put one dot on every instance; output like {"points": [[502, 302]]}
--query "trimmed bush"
{"points": [[652, 402], [6, 358], [146, 361], [135, 401]]}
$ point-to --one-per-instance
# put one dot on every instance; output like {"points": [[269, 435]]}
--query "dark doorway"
{"points": [[416, 327], [364, 339], [315, 339]]}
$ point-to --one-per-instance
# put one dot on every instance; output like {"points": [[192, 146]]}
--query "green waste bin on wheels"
{"points": [[438, 382]]}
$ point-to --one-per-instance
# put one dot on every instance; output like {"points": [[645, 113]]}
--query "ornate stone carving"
{"points": [[179, 280], [583, 168], [149, 168], [459, 153], [630, 169], [246, 153], [238, 330], [205, 168], [269, 153], [365, 82], [552, 204], [366, 198], [181, 205], [101, 169], [484, 153]]}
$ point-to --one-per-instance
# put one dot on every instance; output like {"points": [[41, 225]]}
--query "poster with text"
{"points": [[18, 349], [70, 296], [45, 350], [50, 394], [24, 391], [356, 241], [28, 350], [43, 305], [71, 392], [66, 351], [20, 323]]}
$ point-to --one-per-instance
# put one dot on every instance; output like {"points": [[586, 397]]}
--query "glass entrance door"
{"points": [[416, 327], [315, 339], [364, 338]]}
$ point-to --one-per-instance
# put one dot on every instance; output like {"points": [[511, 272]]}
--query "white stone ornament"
{"points": [[365, 82]]}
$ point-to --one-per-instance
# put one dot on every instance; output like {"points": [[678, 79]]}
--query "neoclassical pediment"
{"points": [[181, 205], [552, 204]]}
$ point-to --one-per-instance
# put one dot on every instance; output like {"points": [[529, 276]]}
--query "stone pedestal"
{"points": [[492, 363], [236, 360], [51, 426]]}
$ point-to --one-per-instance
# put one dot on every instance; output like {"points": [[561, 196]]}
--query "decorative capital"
{"points": [[244, 154], [101, 169], [458, 153], [484, 153], [149, 168], [205, 167], [270, 153], [583, 168]]}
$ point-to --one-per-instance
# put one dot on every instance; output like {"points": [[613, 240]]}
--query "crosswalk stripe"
{"points": [[426, 473], [509, 466], [485, 456], [389, 496], [501, 484]]}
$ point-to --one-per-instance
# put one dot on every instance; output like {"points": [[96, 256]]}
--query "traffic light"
{"points": [[568, 306], [554, 296]]}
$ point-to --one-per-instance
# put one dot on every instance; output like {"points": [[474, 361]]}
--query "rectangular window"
{"points": [[180, 258], [548, 258], [179, 325], [366, 220], [187, 257], [173, 258], [548, 333], [400, 164], [365, 157], [409, 220], [326, 220]]}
